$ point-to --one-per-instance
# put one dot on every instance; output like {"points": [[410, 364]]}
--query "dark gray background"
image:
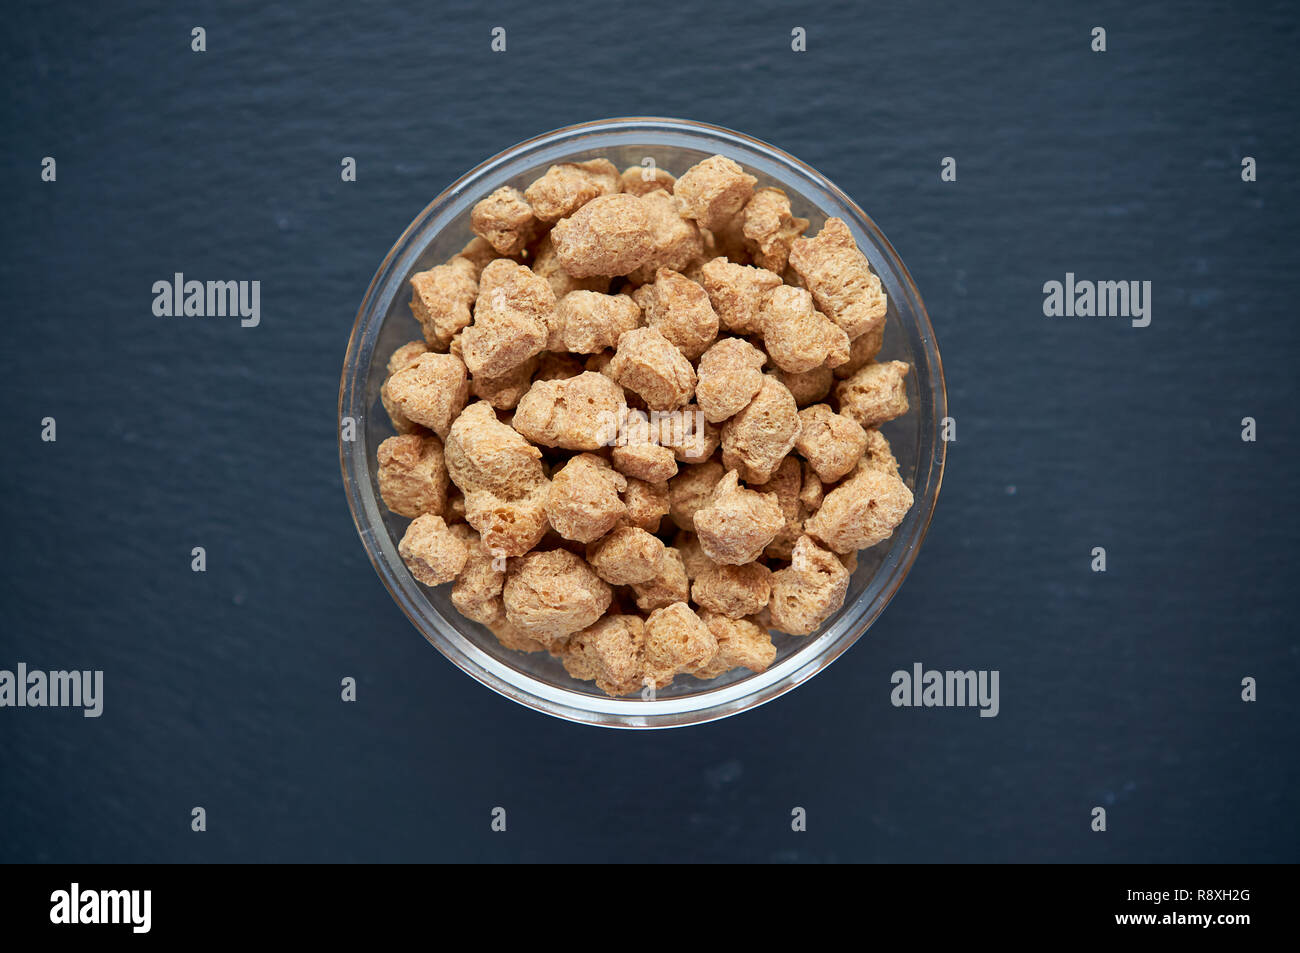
{"points": [[222, 689]]}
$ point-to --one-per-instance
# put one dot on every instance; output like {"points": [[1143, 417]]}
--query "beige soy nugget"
{"points": [[733, 591], [875, 394], [692, 438], [756, 440], [610, 653], [737, 293], [862, 351], [644, 179], [652, 367], [676, 241], [741, 644], [432, 552], [736, 524], [567, 187], [810, 387], [713, 191], [626, 555], [430, 391], [808, 591], [690, 490], [504, 392], [680, 310], [505, 220], [412, 475], [610, 235], [862, 511], [476, 594], [403, 357], [644, 460], [832, 443], [552, 594], [786, 484], [512, 318], [574, 413], [589, 321], [676, 643], [668, 586], [646, 502], [693, 559], [840, 279], [797, 336], [584, 503], [729, 375], [878, 454], [441, 298], [546, 264], [770, 228], [552, 366], [500, 473]]}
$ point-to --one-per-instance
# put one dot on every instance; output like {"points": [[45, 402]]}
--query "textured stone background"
{"points": [[1118, 689]]}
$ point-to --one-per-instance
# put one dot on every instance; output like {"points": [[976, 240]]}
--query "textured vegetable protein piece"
{"points": [[810, 387], [742, 643], [403, 357], [862, 511], [642, 180], [756, 440], [567, 187], [583, 503], [733, 591], [770, 228], [862, 351], [610, 235], [505, 220], [786, 484], [875, 394], [676, 241], [693, 559], [797, 336], [735, 524], [441, 298], [432, 552], [833, 444], [412, 476], [626, 555], [808, 591], [589, 322], [552, 594], [680, 310], [646, 502], [651, 366], [430, 391], [546, 264], [737, 293], [676, 643], [714, 190], [840, 279], [729, 376], [576, 413], [690, 490], [668, 586], [500, 473], [610, 652], [512, 317]]}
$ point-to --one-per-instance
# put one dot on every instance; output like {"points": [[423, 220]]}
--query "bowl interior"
{"points": [[386, 322]]}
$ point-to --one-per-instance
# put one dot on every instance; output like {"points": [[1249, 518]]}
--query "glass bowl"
{"points": [[384, 322]]}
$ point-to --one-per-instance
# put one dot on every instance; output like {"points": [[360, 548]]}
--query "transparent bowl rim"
{"points": [[707, 705]]}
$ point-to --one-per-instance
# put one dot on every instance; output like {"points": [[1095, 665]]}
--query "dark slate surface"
{"points": [[1120, 690]]}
